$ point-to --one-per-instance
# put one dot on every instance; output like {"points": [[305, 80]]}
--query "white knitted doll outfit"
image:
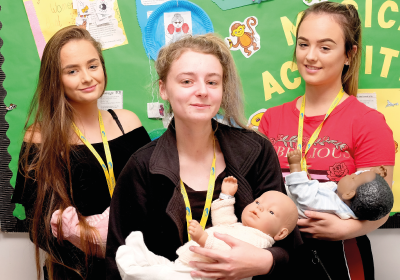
{"points": [[136, 262], [224, 221]]}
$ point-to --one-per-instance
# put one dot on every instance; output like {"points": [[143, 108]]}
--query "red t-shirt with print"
{"points": [[353, 136]]}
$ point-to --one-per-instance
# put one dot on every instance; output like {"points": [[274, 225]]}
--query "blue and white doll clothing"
{"points": [[315, 196]]}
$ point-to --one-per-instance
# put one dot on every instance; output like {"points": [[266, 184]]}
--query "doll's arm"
{"points": [[71, 227], [309, 195], [223, 212], [197, 233], [294, 159], [229, 186]]}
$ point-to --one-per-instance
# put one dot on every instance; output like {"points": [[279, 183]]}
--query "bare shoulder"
{"points": [[32, 136], [128, 119]]}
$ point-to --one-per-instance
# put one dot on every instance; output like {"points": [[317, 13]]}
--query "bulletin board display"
{"points": [[267, 74]]}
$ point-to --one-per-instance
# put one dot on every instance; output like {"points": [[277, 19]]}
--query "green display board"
{"points": [[267, 77]]}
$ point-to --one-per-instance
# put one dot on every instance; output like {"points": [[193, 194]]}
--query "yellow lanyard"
{"points": [[314, 136], [210, 192], [110, 171]]}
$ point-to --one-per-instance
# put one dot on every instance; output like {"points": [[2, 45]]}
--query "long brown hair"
{"points": [[232, 96], [347, 17], [50, 163]]}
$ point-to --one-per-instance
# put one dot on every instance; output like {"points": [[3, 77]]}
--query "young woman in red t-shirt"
{"points": [[353, 137]]}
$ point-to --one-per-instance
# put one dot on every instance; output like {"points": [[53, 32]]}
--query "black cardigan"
{"points": [[147, 196]]}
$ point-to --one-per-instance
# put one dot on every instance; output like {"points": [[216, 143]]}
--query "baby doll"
{"points": [[364, 195], [270, 218]]}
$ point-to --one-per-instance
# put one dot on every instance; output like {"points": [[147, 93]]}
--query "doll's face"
{"points": [[272, 213], [348, 185]]}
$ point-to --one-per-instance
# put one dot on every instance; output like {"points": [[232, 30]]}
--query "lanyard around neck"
{"points": [[109, 173], [314, 136], [210, 192]]}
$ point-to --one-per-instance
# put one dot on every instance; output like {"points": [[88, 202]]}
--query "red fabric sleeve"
{"points": [[170, 29], [373, 141]]}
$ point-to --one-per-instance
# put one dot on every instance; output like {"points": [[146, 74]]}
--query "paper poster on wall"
{"points": [[368, 99], [176, 25], [155, 110], [111, 99], [46, 17], [255, 118], [99, 18], [244, 37], [165, 24]]}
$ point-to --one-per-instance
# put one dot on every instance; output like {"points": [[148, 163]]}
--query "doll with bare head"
{"points": [[271, 217], [364, 195]]}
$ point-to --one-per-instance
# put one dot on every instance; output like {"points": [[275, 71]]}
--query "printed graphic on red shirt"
{"points": [[354, 136], [337, 171], [329, 150]]}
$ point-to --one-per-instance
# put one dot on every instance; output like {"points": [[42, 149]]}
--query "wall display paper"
{"points": [[46, 17], [368, 99], [255, 118], [177, 25], [111, 99], [269, 80], [158, 30]]}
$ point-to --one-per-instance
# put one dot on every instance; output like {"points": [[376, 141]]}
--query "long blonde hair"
{"points": [[50, 163], [232, 97], [347, 16]]}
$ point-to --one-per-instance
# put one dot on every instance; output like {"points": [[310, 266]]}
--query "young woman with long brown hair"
{"points": [[62, 177], [353, 137]]}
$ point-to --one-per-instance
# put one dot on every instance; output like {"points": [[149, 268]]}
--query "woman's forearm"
{"points": [[357, 227], [264, 262]]}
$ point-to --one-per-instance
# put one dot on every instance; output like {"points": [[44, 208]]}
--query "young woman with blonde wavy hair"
{"points": [[198, 77]]}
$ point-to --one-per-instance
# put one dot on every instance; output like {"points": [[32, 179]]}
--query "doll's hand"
{"points": [[197, 233], [229, 186], [381, 170], [294, 156], [294, 159]]}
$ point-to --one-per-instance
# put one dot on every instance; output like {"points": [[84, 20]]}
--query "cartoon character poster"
{"points": [[244, 37], [177, 24], [255, 119]]}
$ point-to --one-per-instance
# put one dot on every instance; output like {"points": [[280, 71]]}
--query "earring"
{"points": [[346, 63]]}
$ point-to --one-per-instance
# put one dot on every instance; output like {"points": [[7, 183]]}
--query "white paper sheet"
{"points": [[368, 99], [106, 32], [177, 24], [111, 99]]}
